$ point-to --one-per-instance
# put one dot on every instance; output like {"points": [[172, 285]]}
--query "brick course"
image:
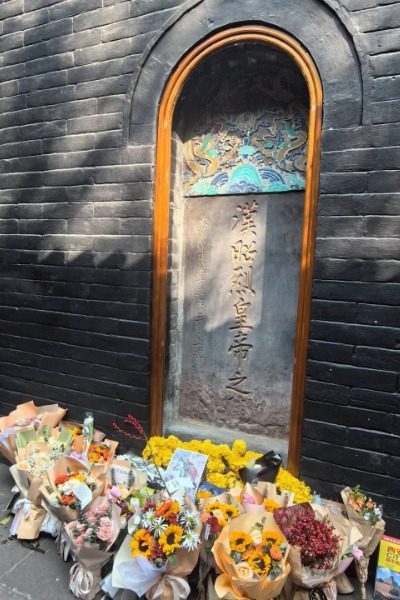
{"points": [[75, 232]]}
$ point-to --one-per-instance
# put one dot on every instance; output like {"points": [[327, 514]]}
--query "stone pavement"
{"points": [[27, 574]]}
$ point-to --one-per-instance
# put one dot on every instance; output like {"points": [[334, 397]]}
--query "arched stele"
{"points": [[285, 43]]}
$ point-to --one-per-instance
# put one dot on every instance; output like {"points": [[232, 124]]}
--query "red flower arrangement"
{"points": [[317, 541]]}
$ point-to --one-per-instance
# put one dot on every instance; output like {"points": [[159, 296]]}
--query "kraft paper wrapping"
{"points": [[305, 577], [371, 534], [173, 584], [30, 516], [27, 410], [85, 575], [49, 415], [237, 581], [64, 513]]}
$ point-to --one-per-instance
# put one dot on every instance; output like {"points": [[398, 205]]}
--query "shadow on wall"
{"points": [[75, 268]]}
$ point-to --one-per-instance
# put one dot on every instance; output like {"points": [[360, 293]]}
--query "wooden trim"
{"points": [[285, 43]]}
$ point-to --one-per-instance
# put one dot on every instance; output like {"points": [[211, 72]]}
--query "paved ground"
{"points": [[27, 574]]}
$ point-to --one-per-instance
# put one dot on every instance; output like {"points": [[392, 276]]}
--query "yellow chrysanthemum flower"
{"points": [[285, 481], [217, 479], [260, 563], [271, 505], [171, 538], [141, 543], [240, 447], [239, 541]]}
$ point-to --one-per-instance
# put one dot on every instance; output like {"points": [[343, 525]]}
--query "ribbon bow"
{"points": [[179, 587], [22, 509], [81, 582]]}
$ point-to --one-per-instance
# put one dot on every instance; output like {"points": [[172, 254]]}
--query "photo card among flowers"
{"points": [[184, 472]]}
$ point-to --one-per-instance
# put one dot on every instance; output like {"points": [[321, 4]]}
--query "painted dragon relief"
{"points": [[249, 151]]}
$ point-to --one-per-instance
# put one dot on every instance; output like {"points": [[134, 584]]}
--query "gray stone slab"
{"points": [[238, 311]]}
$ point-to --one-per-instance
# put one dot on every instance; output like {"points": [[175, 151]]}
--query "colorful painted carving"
{"points": [[258, 146]]}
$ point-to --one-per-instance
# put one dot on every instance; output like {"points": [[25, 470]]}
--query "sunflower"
{"points": [[271, 537], [259, 562], [168, 508], [239, 541], [271, 505], [141, 543], [229, 511], [170, 539]]}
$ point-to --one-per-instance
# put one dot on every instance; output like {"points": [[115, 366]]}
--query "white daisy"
{"points": [[148, 518], [158, 526], [189, 519], [191, 540]]}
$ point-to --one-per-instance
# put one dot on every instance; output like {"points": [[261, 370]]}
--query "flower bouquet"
{"points": [[366, 515], [76, 430], [90, 538], [128, 488], [29, 514], [350, 535], [251, 554], [99, 455], [315, 552], [71, 488], [161, 550], [25, 417], [34, 459]]}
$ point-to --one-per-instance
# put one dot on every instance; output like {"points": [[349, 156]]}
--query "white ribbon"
{"points": [[180, 587], [63, 544], [22, 509], [81, 581]]}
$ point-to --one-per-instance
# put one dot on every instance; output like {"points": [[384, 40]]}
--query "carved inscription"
{"points": [[244, 250]]}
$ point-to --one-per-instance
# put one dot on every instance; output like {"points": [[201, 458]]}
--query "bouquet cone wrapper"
{"points": [[307, 578], [47, 415], [237, 581], [85, 574], [30, 514], [61, 466], [371, 534], [158, 583]]}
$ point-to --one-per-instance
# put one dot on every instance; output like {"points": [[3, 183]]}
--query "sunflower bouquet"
{"points": [[251, 553], [161, 550]]}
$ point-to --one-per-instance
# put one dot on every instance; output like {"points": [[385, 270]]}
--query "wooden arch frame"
{"points": [[242, 34]]}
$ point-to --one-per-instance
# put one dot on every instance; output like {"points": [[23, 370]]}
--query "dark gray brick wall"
{"points": [[76, 225]]}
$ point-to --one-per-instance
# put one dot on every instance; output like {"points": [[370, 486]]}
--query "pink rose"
{"points": [[101, 509], [105, 533], [79, 540], [105, 522]]}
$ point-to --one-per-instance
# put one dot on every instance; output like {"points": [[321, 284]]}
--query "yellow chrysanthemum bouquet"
{"points": [[224, 463]]}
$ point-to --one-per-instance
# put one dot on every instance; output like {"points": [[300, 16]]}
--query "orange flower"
{"points": [[275, 552]]}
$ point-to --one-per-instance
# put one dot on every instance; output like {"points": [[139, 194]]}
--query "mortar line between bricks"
{"points": [[16, 565]]}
